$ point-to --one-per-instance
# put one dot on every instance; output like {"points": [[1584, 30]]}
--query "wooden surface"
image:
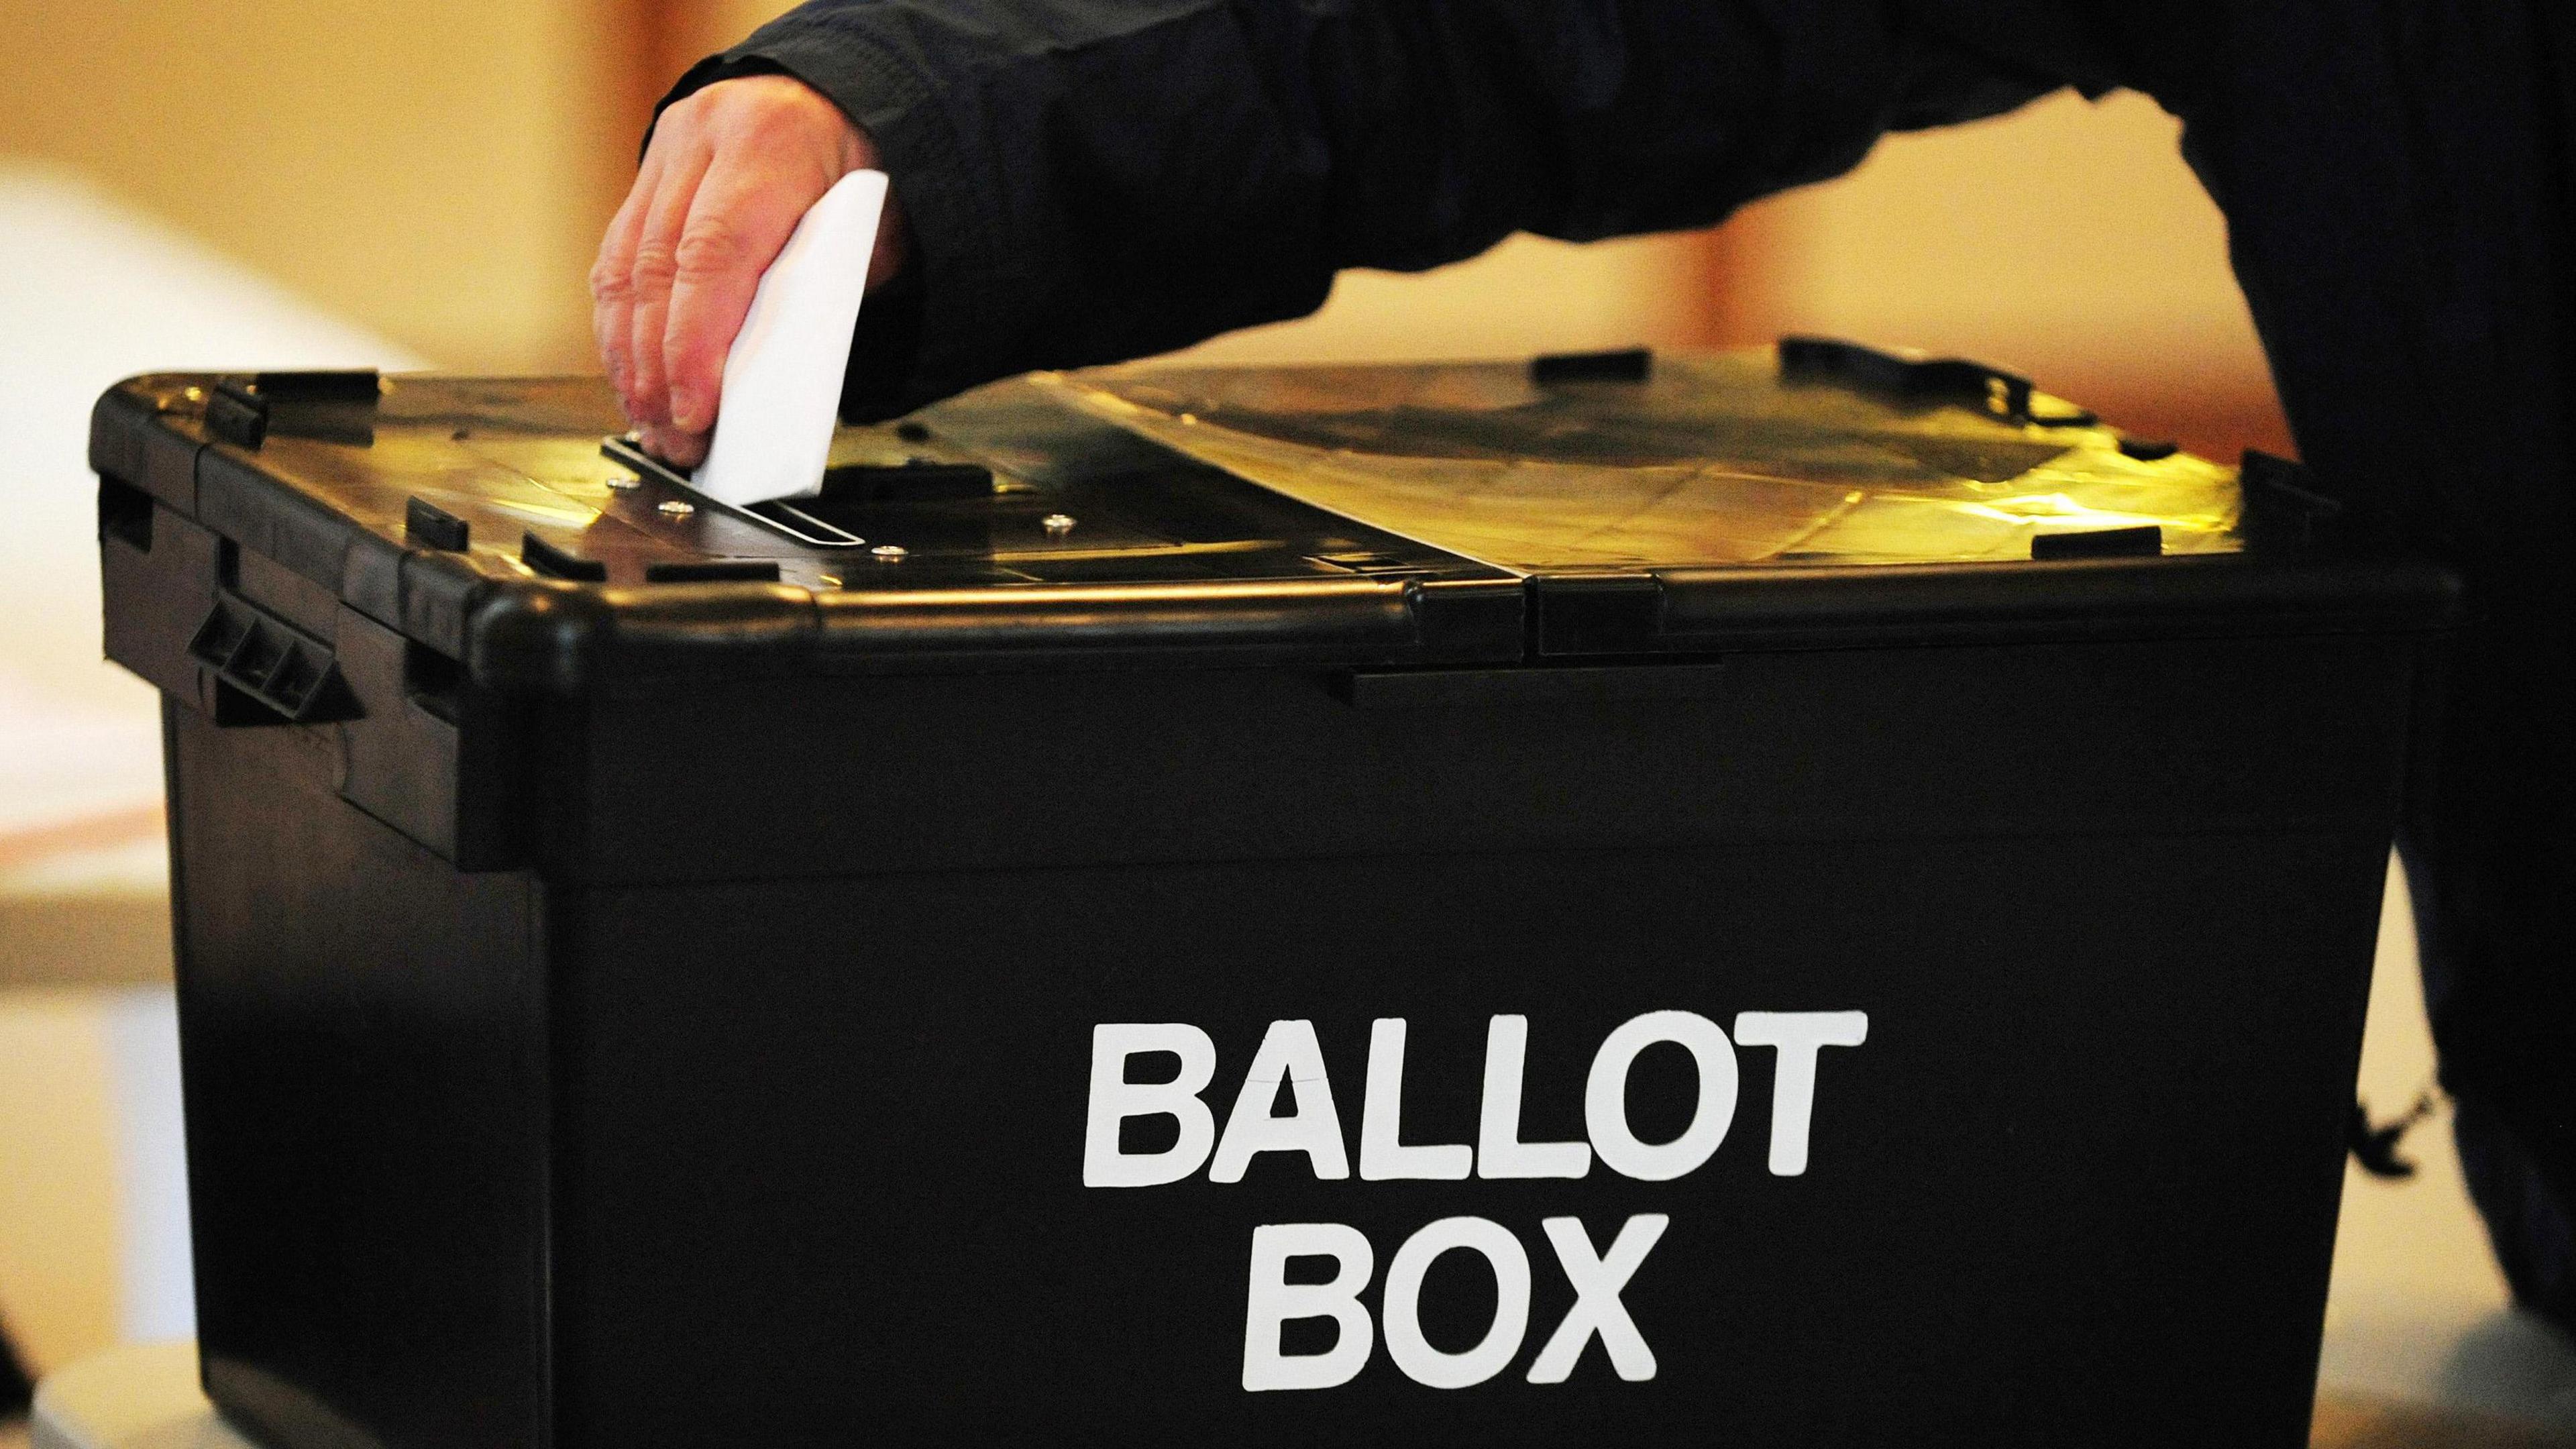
{"points": [[106, 940], [2346, 1421]]}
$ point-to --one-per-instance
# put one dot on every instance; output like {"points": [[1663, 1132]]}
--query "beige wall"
{"points": [[694, 28], [58, 1207], [436, 171], [2067, 240], [1527, 295]]}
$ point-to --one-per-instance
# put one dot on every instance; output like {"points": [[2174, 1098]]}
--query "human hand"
{"points": [[730, 171]]}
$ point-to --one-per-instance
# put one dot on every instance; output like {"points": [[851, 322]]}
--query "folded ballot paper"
{"points": [[782, 382]]}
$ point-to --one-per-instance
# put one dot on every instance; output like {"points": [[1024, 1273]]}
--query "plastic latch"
{"points": [[431, 526], [561, 563], [918, 480], [1912, 377], [272, 661], [332, 405], [713, 571], [1627, 364], [2147, 540], [236, 413]]}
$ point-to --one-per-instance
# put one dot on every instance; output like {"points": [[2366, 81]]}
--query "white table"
{"points": [[92, 291]]}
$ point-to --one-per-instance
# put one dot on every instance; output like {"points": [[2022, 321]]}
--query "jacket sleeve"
{"points": [[1093, 180]]}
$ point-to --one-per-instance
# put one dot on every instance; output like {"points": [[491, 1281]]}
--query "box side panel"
{"points": [[361, 1033], [825, 776], [825, 1143]]}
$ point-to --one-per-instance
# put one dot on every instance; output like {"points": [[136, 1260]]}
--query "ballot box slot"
{"points": [[794, 519], [795, 522]]}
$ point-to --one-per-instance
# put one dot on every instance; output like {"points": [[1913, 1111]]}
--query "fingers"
{"points": [[687, 450], [730, 172], [655, 264], [740, 220], [612, 291]]}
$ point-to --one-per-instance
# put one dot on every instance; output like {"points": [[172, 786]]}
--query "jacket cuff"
{"points": [[934, 329]]}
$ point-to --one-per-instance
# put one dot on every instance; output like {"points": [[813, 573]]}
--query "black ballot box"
{"points": [[1804, 898]]}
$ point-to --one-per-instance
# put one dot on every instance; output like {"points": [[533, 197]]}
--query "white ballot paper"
{"points": [[782, 381]]}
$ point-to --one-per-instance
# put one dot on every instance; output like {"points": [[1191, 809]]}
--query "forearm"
{"points": [[1087, 181], [1081, 185]]}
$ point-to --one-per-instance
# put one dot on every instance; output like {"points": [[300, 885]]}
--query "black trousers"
{"points": [[2490, 856], [2400, 188]]}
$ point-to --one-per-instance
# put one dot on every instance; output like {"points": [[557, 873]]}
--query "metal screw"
{"points": [[888, 553], [1057, 524], [632, 437], [623, 482], [675, 508]]}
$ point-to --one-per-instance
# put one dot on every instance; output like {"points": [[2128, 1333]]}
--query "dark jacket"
{"points": [[1090, 180]]}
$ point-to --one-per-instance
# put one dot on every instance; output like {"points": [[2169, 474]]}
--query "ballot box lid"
{"points": [[1593, 507]]}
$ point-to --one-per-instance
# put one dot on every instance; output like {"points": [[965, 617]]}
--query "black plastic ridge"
{"points": [[713, 571], [562, 638], [146, 433], [561, 563], [2144, 541], [2072, 599], [698, 619]]}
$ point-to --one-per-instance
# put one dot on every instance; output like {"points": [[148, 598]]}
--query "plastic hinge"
{"points": [[1604, 613], [272, 661], [239, 409]]}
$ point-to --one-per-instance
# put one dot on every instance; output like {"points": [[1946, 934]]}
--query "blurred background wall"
{"points": [[428, 182], [435, 171]]}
